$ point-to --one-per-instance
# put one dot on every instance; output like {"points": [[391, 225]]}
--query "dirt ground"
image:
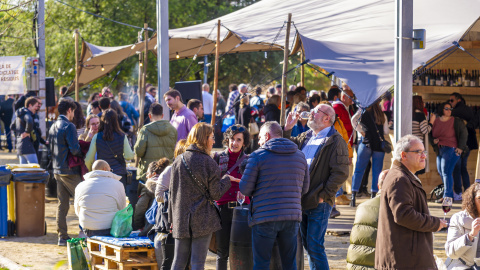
{"points": [[43, 252]]}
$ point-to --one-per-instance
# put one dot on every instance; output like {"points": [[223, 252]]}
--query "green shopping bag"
{"points": [[122, 222], [76, 254]]}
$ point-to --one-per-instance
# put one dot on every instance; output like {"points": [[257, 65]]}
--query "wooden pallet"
{"points": [[106, 256]]}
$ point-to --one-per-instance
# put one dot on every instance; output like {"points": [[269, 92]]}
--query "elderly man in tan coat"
{"points": [[404, 237]]}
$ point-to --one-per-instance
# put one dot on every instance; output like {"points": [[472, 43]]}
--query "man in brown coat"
{"points": [[405, 227]]}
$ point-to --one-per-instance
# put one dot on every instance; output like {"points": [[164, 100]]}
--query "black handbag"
{"points": [[202, 188], [384, 145]]}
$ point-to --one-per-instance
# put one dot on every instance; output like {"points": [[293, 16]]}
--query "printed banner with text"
{"points": [[12, 75]]}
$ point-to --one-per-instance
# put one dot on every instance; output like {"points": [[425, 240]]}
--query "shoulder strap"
{"points": [[121, 160], [201, 186], [375, 124], [239, 161]]}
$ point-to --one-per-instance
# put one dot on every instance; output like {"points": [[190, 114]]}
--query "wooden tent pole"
{"points": [[302, 69], [215, 78], [143, 76], [76, 64], [285, 67]]}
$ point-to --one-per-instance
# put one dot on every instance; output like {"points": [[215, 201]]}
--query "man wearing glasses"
{"points": [[106, 92], [405, 226], [326, 153]]}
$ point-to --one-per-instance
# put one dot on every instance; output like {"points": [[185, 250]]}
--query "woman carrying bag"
{"points": [[374, 127], [111, 145], [195, 184]]}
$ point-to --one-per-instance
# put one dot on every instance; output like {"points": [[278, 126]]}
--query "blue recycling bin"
{"points": [[5, 177]]}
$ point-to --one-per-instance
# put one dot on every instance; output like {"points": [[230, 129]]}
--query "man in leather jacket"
{"points": [[63, 140]]}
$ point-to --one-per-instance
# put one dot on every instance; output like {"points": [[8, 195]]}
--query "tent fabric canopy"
{"points": [[354, 39]]}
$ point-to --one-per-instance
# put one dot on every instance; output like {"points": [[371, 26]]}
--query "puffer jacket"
{"points": [[146, 195], [361, 252], [62, 139], [98, 199], [189, 211], [155, 141], [276, 177], [24, 123], [458, 246]]}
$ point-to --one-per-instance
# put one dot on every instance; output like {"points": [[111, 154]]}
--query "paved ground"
{"points": [[43, 253]]}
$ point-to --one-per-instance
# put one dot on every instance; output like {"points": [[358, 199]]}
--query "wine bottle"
{"points": [[432, 78], [449, 81], [466, 81], [459, 78], [444, 77]]}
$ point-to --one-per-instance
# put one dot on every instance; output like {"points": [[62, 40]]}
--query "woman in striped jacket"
{"points": [[420, 126]]}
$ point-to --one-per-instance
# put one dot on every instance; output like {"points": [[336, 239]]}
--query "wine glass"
{"points": [[446, 206], [240, 198], [305, 115]]}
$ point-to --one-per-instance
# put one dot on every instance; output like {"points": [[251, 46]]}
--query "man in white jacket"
{"points": [[98, 198]]}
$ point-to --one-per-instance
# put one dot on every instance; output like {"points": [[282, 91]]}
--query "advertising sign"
{"points": [[12, 75]]}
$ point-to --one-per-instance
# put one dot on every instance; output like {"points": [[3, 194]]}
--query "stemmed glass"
{"points": [[240, 198], [446, 206]]}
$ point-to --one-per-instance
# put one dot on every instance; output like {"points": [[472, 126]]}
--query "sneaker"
{"points": [[457, 197], [63, 242], [342, 200], [335, 213]]}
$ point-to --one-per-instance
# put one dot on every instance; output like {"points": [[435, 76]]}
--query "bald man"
{"points": [[327, 158], [98, 198]]}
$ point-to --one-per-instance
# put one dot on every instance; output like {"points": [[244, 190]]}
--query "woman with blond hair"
{"points": [[462, 238], [195, 184]]}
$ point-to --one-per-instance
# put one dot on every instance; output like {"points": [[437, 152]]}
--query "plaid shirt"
{"points": [[231, 99]]}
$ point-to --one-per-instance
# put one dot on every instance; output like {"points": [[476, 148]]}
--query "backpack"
{"points": [[437, 192]]}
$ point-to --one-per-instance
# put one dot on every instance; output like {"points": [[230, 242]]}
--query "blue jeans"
{"points": [[263, 239], [446, 161], [363, 156], [460, 174], [195, 248], [9, 137], [313, 228], [28, 158]]}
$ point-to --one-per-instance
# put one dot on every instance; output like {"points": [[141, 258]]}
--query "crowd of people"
{"points": [[292, 177]]}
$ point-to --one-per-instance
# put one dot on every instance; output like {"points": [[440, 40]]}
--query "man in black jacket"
{"points": [[24, 128], [6, 114], [63, 140], [460, 173]]}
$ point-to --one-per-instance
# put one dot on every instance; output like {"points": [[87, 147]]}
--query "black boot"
{"points": [[352, 202], [374, 194]]}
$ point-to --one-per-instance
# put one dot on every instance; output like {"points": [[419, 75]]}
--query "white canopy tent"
{"points": [[354, 39]]}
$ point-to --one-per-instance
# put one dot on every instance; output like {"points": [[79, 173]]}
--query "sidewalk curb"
{"points": [[11, 265]]}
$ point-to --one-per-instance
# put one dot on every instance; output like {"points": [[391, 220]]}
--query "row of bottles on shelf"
{"points": [[447, 77], [432, 107]]}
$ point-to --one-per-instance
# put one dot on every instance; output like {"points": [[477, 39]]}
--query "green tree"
{"points": [[61, 20]]}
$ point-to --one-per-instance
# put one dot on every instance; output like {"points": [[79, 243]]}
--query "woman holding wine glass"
{"points": [[236, 139], [194, 183], [462, 239], [449, 140]]}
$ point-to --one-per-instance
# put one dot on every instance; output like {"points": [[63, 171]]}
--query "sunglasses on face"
{"points": [[235, 128], [447, 109], [452, 100]]}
